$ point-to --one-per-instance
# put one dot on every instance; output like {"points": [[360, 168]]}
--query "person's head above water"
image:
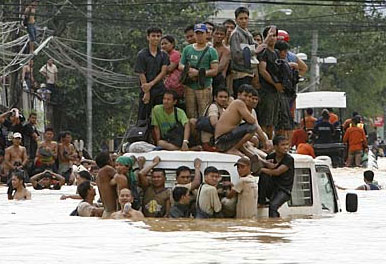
{"points": [[368, 176]]}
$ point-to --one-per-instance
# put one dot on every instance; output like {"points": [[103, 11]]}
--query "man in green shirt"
{"points": [[198, 94], [164, 118]]}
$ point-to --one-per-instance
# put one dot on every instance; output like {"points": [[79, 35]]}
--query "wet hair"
{"points": [[229, 21], [102, 159], [83, 189], [85, 175], [266, 30], [172, 92], [209, 23], [178, 192], [220, 28], [20, 175], [282, 45], [257, 33], [181, 169], [222, 89], [247, 88], [278, 139], [368, 175], [49, 129], [189, 28], [309, 111], [210, 169], [153, 30], [171, 39], [159, 170], [240, 10]]}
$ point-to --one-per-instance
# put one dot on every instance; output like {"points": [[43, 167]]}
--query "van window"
{"points": [[302, 188], [326, 190]]}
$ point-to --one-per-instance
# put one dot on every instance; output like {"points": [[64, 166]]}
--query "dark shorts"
{"points": [[228, 140], [268, 108], [31, 29], [285, 120]]}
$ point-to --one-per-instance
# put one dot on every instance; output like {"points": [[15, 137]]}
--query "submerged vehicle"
{"points": [[313, 193]]}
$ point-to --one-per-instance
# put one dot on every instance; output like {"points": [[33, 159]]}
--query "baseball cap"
{"points": [[17, 135], [200, 27], [243, 161]]}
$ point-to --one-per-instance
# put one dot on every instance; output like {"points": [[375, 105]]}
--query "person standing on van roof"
{"points": [[156, 199], [208, 203], [357, 143], [276, 182], [246, 190]]}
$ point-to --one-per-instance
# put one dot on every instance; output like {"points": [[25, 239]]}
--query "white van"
{"points": [[313, 193]]}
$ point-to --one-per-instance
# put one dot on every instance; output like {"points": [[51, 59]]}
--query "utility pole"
{"points": [[89, 79], [314, 62]]}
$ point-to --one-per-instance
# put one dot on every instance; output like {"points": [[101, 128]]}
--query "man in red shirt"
{"points": [[299, 136], [356, 139]]}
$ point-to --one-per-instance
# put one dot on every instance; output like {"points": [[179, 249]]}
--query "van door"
{"points": [[326, 187]]}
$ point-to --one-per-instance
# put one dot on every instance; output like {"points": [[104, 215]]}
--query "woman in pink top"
{"points": [[172, 81]]}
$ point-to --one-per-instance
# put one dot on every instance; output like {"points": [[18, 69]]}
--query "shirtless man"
{"points": [[107, 192], [127, 212], [224, 53], [230, 134], [47, 152], [47, 180], [17, 182], [15, 156], [29, 14], [66, 156], [126, 178]]}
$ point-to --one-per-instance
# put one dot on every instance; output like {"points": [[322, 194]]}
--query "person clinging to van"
{"points": [[180, 209], [208, 203], [246, 190], [275, 183], [156, 199]]}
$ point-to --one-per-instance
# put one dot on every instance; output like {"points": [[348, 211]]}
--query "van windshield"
{"points": [[326, 189]]}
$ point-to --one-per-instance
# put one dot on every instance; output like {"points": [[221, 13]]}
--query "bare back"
{"points": [[232, 117], [107, 192]]}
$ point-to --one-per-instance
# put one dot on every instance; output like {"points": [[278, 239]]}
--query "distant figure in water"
{"points": [[17, 185], [370, 184], [127, 212]]}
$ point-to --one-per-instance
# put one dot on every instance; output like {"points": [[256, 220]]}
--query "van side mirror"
{"points": [[351, 202]]}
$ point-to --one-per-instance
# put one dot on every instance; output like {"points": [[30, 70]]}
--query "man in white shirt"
{"points": [[50, 71]]}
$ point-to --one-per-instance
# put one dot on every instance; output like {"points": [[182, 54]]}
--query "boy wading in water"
{"points": [[275, 183]]}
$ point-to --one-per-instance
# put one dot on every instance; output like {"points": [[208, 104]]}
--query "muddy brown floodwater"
{"points": [[41, 231]]}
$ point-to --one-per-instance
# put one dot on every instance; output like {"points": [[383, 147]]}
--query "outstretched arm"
{"points": [[197, 174], [143, 173]]}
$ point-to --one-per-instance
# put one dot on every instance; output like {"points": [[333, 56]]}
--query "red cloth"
{"points": [[333, 118], [299, 136], [305, 149]]}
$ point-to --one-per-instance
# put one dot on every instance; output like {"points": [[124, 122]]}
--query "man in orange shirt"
{"points": [[309, 120], [356, 139], [299, 136]]}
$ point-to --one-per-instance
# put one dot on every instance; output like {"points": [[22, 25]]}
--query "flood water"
{"points": [[41, 231]]}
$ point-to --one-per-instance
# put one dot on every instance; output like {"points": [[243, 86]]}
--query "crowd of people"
{"points": [[229, 91]]}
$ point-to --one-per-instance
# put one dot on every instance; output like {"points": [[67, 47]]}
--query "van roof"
{"points": [[189, 156]]}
